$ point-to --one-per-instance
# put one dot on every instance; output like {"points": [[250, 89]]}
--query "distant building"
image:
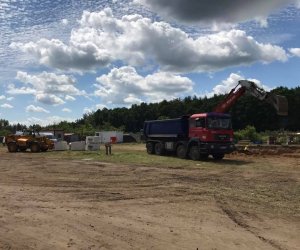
{"points": [[110, 136], [57, 133], [71, 137]]}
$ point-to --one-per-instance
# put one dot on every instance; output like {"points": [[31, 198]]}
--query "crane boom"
{"points": [[277, 101]]}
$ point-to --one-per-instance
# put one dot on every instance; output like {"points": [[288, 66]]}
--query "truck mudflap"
{"points": [[217, 148]]}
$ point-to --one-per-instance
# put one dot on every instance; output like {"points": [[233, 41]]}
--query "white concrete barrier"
{"points": [[61, 145], [77, 146], [93, 139], [92, 147]]}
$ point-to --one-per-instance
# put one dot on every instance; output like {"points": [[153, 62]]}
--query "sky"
{"points": [[60, 59]]}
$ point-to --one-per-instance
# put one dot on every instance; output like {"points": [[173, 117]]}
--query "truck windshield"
{"points": [[219, 122]]}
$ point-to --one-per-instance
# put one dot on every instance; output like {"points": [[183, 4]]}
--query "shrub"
{"points": [[248, 133]]}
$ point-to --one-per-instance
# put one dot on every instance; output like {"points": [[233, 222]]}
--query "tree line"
{"points": [[247, 111]]}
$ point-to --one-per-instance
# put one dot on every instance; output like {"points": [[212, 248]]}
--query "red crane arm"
{"points": [[230, 100]]}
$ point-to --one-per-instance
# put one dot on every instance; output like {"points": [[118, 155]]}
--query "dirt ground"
{"points": [[243, 202]]}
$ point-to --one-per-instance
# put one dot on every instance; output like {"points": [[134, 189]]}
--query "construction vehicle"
{"points": [[199, 135], [28, 140]]}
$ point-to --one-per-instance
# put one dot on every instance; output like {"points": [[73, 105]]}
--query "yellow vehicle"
{"points": [[28, 140]]}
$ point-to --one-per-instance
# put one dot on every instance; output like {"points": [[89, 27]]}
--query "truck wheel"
{"points": [[181, 151], [159, 149], [12, 147], [22, 149], [150, 148], [44, 149], [194, 153], [35, 148], [203, 157], [218, 156]]}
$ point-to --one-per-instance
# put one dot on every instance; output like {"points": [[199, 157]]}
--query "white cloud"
{"points": [[10, 98], [70, 98], [64, 21], [132, 99], [263, 22], [87, 110], [47, 88], [13, 90], [231, 82], [3, 97], [295, 51], [49, 99], [43, 121], [6, 106], [102, 39], [100, 106], [93, 108], [124, 86], [50, 83], [216, 11], [32, 108], [55, 53], [66, 110], [226, 85]]}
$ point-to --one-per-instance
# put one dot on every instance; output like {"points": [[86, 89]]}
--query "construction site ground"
{"points": [[56, 200]]}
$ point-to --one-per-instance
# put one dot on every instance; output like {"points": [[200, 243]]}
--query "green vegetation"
{"points": [[249, 133], [135, 154], [123, 154], [247, 111]]}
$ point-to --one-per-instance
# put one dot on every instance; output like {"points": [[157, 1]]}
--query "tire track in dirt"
{"points": [[236, 219]]}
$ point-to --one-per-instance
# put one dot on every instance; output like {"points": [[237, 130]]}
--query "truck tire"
{"points": [[23, 149], [12, 147], [159, 148], [203, 157], [218, 156], [181, 152], [194, 153], [35, 147], [44, 149], [150, 148]]}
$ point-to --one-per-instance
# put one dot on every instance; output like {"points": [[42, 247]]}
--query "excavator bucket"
{"points": [[279, 102]]}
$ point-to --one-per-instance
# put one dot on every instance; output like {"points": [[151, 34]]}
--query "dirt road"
{"points": [[242, 202]]}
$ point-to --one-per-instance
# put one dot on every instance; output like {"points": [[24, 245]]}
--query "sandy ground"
{"points": [[242, 202]]}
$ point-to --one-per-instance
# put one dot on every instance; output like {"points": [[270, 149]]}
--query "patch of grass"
{"points": [[125, 154], [135, 153]]}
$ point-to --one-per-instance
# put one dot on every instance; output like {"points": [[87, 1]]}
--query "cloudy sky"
{"points": [[62, 58]]}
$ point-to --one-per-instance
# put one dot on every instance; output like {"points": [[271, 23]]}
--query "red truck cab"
{"points": [[211, 127], [210, 134]]}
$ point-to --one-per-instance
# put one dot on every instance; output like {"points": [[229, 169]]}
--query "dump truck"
{"points": [[199, 135], [28, 140]]}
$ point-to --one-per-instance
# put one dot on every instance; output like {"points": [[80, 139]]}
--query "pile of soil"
{"points": [[283, 151]]}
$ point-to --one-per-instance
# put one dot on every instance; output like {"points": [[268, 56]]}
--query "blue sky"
{"points": [[61, 59]]}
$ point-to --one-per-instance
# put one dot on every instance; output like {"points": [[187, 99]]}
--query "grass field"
{"points": [[135, 154], [122, 153]]}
